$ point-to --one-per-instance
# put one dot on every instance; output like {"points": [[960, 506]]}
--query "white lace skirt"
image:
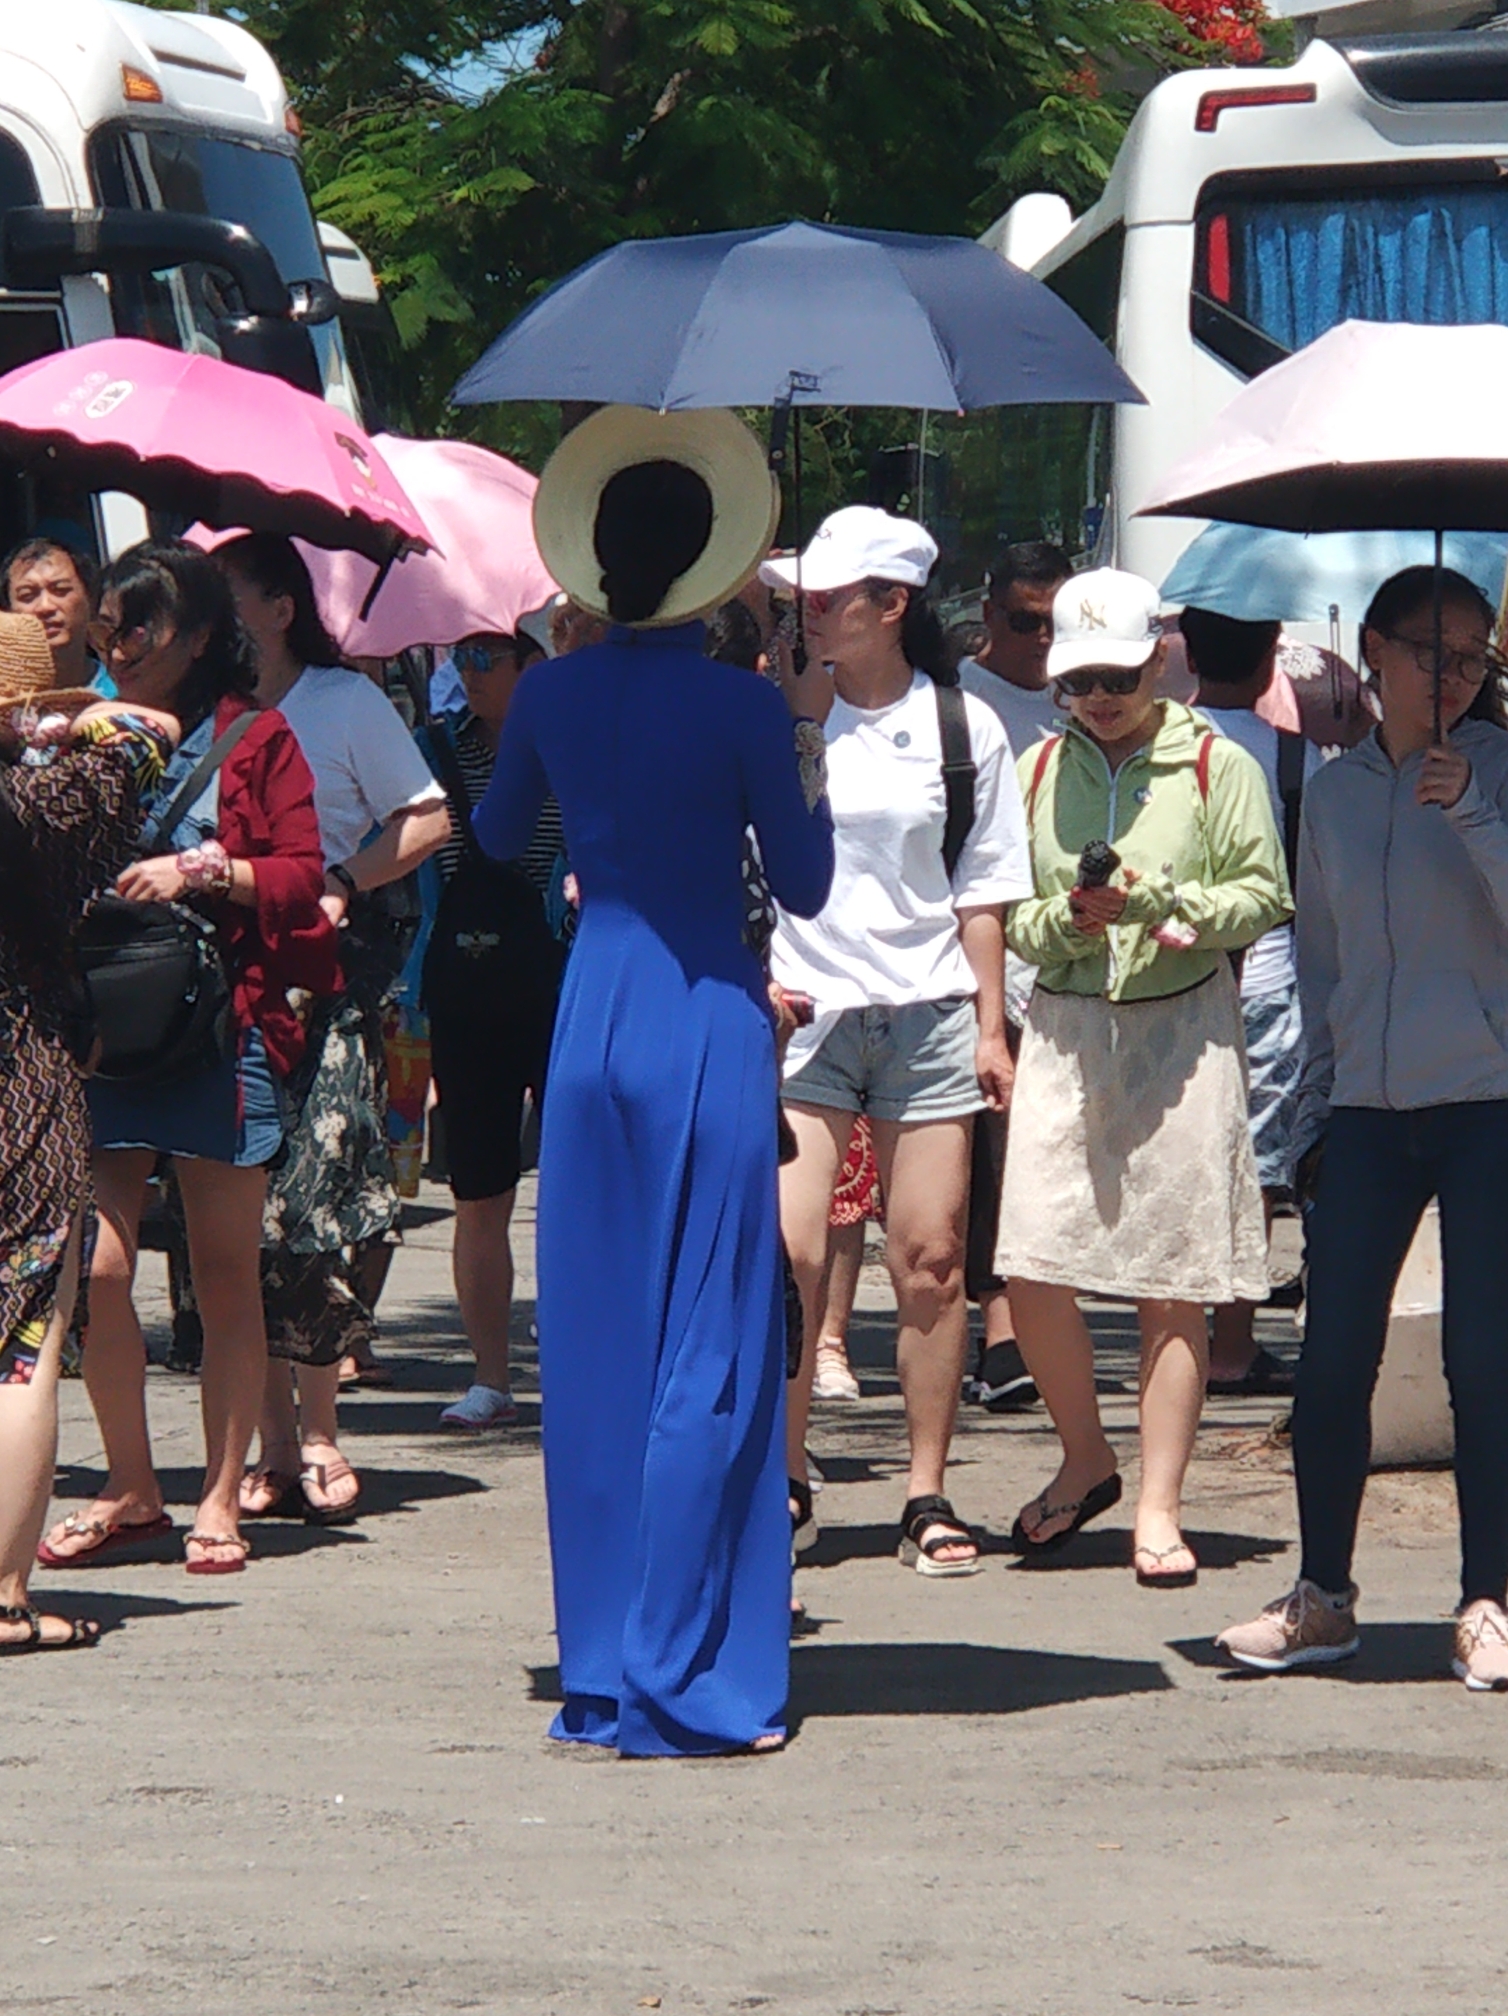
{"points": [[1129, 1170]]}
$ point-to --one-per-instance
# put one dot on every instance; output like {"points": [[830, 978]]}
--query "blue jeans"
{"points": [[1380, 1171]]}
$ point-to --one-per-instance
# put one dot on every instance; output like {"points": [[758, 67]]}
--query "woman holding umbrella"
{"points": [[1403, 973], [663, 1434]]}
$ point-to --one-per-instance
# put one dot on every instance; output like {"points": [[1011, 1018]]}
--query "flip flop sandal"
{"points": [[108, 1539], [1181, 1578], [319, 1474], [289, 1502], [1105, 1494], [359, 1375], [80, 1632], [914, 1552], [208, 1566]]}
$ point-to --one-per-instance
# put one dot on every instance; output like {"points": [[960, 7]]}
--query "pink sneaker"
{"points": [[1303, 1628], [1482, 1647]]}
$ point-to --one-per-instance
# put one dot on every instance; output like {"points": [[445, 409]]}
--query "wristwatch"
{"points": [[340, 873]]}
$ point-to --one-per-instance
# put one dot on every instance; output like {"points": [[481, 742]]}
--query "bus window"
{"points": [[1090, 282], [18, 185], [1273, 271]]}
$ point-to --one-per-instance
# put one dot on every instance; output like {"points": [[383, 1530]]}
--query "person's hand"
{"points": [[995, 1069], [808, 694], [333, 903], [1093, 910], [156, 881], [570, 889], [1443, 776]]}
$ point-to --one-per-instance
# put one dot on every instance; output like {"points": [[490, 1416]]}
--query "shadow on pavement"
{"points": [[382, 1491], [1110, 1547], [111, 1609], [1389, 1652], [923, 1679], [379, 1411]]}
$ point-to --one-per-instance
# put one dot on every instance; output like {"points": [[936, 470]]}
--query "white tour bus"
{"points": [[1249, 211], [150, 186]]}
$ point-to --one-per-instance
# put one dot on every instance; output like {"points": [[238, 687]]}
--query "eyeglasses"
{"points": [[1026, 623], [1079, 685], [123, 647], [478, 657], [1470, 667]]}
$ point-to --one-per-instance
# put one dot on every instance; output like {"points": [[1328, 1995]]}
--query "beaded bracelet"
{"points": [[205, 869], [811, 761]]}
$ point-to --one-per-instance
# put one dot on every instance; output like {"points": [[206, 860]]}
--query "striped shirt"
{"points": [[476, 760]]}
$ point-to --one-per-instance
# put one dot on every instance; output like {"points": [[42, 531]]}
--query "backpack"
{"points": [[491, 957], [157, 990]]}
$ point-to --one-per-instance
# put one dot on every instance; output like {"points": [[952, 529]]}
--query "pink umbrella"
{"points": [[486, 575], [191, 435]]}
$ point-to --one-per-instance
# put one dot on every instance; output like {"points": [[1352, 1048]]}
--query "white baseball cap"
{"points": [[858, 543], [1103, 617]]}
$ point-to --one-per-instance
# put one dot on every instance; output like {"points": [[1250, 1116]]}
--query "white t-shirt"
{"points": [[366, 764], [1268, 967], [888, 934], [1026, 716]]}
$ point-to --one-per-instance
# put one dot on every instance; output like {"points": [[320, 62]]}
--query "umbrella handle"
{"points": [[1439, 632]]}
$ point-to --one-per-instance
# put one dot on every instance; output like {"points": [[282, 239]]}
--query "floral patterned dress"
{"points": [[80, 812]]}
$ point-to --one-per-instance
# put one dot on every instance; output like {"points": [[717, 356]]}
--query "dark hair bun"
{"points": [[653, 522]]}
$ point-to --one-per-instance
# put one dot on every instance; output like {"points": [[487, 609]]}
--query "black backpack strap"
{"points": [[453, 780], [191, 789], [1291, 754], [960, 772]]}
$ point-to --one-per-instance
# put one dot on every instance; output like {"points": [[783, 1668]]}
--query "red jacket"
{"points": [[267, 817]]}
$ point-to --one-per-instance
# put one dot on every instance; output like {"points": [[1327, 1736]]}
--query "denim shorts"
{"points": [[1274, 1062], [912, 1063], [232, 1112]]}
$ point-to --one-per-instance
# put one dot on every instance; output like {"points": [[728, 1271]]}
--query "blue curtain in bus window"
{"points": [[1423, 255]]}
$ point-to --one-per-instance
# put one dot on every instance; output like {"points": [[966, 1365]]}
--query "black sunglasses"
{"points": [[1023, 623], [1078, 685]]}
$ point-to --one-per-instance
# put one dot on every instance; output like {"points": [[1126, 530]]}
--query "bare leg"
{"points": [[223, 1210], [115, 1356], [28, 1454], [845, 1260], [806, 1195], [483, 1263], [1174, 1364], [1235, 1343], [1059, 1354], [999, 1325], [924, 1173]]}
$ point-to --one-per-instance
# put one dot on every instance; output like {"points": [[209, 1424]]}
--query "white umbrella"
{"points": [[1377, 426]]}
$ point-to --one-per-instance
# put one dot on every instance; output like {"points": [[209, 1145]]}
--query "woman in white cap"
{"points": [[905, 967], [1130, 1169], [662, 1429]]}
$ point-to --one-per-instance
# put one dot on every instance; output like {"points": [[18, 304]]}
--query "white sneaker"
{"points": [[833, 1377], [481, 1407]]}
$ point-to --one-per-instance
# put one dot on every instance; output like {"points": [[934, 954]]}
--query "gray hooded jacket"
{"points": [[1402, 934]]}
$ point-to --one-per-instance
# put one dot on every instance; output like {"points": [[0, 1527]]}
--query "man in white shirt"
{"points": [[1010, 677], [905, 969], [1234, 663]]}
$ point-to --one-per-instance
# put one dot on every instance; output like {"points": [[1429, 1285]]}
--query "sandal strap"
{"points": [[23, 1613], [935, 1510], [218, 1540]]}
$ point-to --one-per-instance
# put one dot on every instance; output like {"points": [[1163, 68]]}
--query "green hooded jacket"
{"points": [[1215, 863]]}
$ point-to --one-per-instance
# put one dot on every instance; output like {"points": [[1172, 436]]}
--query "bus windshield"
{"points": [[1288, 267], [206, 175]]}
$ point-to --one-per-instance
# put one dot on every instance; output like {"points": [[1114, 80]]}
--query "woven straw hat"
{"points": [[26, 670], [722, 451]]}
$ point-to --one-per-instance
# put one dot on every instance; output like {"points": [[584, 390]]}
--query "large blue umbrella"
{"points": [[802, 313]]}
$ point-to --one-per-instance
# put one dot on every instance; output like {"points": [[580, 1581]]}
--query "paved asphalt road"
{"points": [[323, 1786]]}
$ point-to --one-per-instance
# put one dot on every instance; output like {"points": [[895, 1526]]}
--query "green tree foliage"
{"points": [[639, 117]]}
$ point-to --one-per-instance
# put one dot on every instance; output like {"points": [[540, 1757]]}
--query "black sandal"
{"points": [[914, 1552], [1104, 1494], [80, 1631], [803, 1518]]}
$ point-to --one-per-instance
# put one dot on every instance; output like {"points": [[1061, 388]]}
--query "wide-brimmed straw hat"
{"points": [[27, 672], [716, 445]]}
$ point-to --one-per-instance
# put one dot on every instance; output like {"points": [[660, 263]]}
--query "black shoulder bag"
{"points": [[960, 772], [153, 974], [492, 957]]}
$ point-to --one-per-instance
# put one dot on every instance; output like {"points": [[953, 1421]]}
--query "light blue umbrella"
{"points": [[1261, 575]]}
